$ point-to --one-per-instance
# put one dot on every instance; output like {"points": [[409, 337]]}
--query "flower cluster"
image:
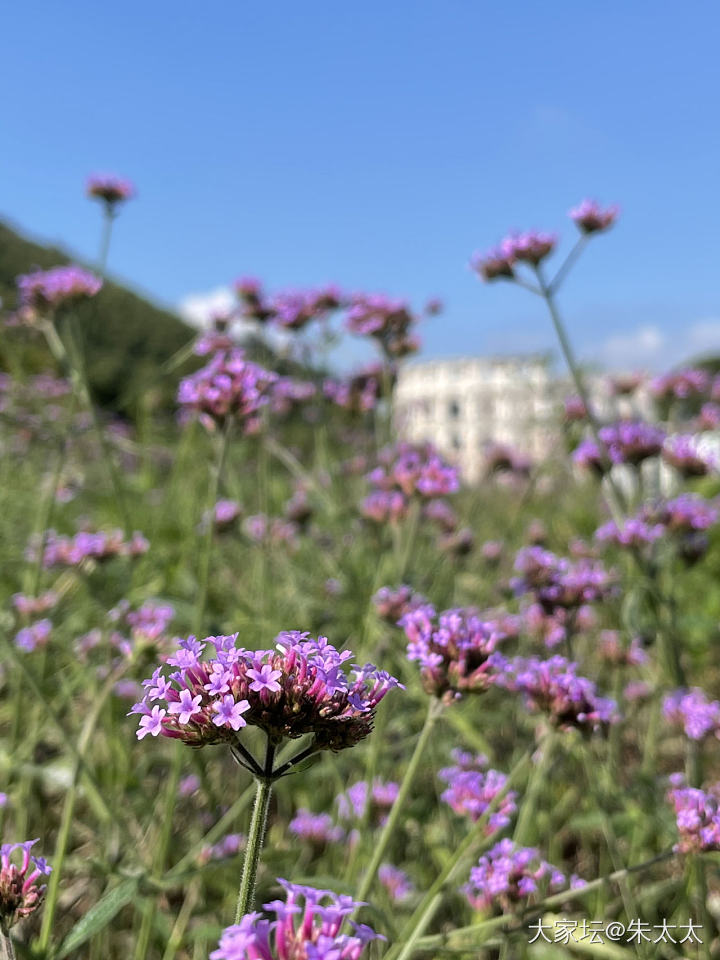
{"points": [[472, 788], [682, 452], [290, 310], [457, 650], [691, 710], [225, 513], [680, 385], [286, 394], [530, 247], [354, 803], [509, 875], [30, 606], [230, 845], [360, 391], [110, 189], [392, 604], [554, 688], [299, 687], [558, 582], [632, 532], [388, 321], [628, 441], [398, 884], [43, 291], [311, 931], [20, 892], [34, 636], [612, 650], [63, 551], [317, 829], [414, 471], [697, 814], [228, 386], [590, 217]]}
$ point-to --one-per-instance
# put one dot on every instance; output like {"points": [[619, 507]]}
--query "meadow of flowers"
{"points": [[276, 684]]}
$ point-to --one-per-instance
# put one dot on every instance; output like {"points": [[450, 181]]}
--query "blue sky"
{"points": [[377, 145]]}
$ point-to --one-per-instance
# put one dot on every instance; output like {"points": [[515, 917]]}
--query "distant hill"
{"points": [[127, 338]]}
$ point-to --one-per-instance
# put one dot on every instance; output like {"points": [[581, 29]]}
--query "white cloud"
{"points": [[199, 308], [642, 347], [704, 336]]}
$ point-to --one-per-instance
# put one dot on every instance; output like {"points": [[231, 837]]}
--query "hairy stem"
{"points": [[256, 837]]}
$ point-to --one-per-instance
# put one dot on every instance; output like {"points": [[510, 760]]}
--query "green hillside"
{"points": [[126, 337]]}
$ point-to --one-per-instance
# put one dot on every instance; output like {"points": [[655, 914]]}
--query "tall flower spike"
{"points": [[300, 687]]}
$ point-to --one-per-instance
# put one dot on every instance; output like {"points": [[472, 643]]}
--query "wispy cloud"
{"points": [[199, 308], [650, 347]]}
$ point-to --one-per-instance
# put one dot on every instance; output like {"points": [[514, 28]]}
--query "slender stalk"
{"points": [[182, 920], [426, 910], [435, 708], [105, 235], [616, 499], [538, 778], [213, 490], [66, 819], [7, 951], [78, 376], [256, 837]]}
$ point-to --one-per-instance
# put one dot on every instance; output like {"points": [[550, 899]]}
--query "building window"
{"points": [[456, 442], [453, 409]]}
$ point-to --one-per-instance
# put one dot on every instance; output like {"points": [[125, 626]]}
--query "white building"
{"points": [[465, 405]]}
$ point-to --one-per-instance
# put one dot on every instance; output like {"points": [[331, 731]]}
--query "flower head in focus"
{"points": [[302, 686]]}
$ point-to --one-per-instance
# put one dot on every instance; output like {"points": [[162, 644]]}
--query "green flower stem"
{"points": [[7, 951], [105, 235], [426, 910], [538, 777], [256, 837], [160, 856], [78, 377], [435, 708], [615, 496], [66, 819], [207, 544]]}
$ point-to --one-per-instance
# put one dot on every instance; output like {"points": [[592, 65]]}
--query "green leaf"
{"points": [[99, 916]]}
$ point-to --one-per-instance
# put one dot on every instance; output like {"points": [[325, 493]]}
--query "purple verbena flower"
{"points": [[456, 650], [509, 875], [307, 926], [692, 710], [299, 687], [43, 291], [472, 788], [20, 892], [590, 217]]}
